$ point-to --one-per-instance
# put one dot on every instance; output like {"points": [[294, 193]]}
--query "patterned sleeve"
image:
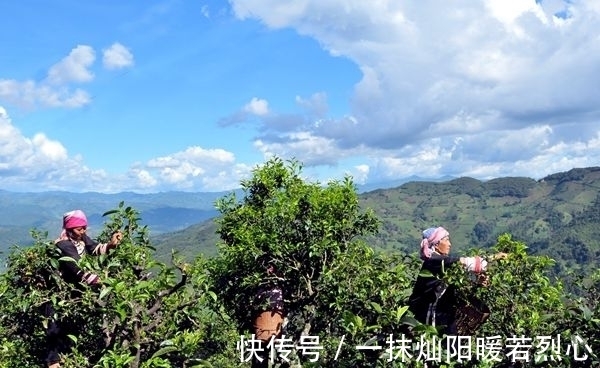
{"points": [[95, 248], [101, 248]]}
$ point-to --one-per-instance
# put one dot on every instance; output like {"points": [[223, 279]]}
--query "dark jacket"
{"points": [[70, 271], [432, 301]]}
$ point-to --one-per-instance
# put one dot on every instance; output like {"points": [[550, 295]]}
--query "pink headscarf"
{"points": [[72, 219], [431, 237]]}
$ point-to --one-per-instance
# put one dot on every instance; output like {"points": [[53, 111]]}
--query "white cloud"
{"points": [[532, 152], [63, 97], [74, 67], [55, 90], [227, 179], [404, 57], [508, 12], [310, 149], [257, 106], [54, 150], [40, 163], [23, 154], [485, 88], [282, 13], [143, 178], [181, 173], [360, 173], [316, 104], [117, 56], [10, 138], [195, 167], [30, 95]]}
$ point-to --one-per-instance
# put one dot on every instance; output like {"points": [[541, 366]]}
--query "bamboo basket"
{"points": [[470, 315], [268, 324]]}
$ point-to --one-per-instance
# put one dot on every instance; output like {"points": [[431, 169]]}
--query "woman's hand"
{"points": [[483, 279], [115, 239], [500, 255]]}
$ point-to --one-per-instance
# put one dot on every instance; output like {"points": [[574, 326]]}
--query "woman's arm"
{"points": [[474, 264], [103, 248], [478, 264]]}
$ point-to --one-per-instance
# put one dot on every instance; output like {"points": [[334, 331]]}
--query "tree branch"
{"points": [[164, 293]]}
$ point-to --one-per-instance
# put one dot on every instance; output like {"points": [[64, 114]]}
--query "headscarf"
{"points": [[72, 219], [431, 237]]}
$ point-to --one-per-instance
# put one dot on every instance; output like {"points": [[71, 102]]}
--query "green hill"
{"points": [[556, 216]]}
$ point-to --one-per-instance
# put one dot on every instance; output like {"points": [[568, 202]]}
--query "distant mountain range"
{"points": [[162, 212], [556, 216], [166, 212]]}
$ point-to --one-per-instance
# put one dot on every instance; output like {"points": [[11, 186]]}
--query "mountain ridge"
{"points": [[555, 216], [559, 209]]}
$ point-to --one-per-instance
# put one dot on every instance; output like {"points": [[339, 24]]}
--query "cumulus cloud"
{"points": [[360, 173], [19, 153], [192, 168], [497, 84], [30, 95], [533, 151], [117, 56], [55, 90], [74, 67], [258, 107], [484, 89], [58, 88], [142, 177], [40, 163], [310, 149]]}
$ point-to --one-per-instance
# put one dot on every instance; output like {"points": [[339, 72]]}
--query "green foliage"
{"points": [[144, 314], [333, 283], [510, 187], [338, 287], [557, 216], [552, 215], [526, 302]]}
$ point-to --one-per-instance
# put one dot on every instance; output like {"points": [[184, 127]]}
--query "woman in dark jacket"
{"points": [[73, 242], [432, 301]]}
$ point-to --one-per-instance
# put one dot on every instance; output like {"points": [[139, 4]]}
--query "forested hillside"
{"points": [[556, 216]]}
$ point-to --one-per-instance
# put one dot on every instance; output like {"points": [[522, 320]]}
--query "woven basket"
{"points": [[268, 324], [470, 315]]}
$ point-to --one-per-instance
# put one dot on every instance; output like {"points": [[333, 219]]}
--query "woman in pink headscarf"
{"points": [[73, 242], [432, 301]]}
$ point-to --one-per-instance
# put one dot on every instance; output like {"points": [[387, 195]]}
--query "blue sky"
{"points": [[152, 96]]}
